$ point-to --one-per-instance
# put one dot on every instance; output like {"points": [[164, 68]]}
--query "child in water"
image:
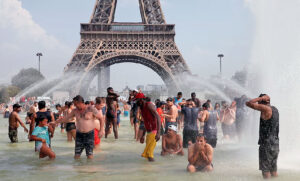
{"points": [[41, 137]]}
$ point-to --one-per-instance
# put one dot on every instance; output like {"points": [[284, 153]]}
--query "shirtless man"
{"points": [[200, 156], [172, 142], [85, 125], [111, 114], [99, 105], [228, 120], [171, 114], [14, 122]]}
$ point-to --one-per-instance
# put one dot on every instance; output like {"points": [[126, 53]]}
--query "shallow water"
{"points": [[120, 160]]}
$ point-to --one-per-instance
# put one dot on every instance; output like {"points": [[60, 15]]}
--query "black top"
{"points": [[269, 129], [210, 126], [41, 114], [190, 118]]}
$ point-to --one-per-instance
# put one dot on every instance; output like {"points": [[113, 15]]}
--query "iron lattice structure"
{"points": [[105, 42]]}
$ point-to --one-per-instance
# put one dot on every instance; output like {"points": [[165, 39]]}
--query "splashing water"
{"points": [[275, 68]]}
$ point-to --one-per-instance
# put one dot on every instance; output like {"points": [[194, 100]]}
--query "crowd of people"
{"points": [[87, 122]]}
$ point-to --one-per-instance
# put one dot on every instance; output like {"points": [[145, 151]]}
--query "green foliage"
{"points": [[13, 90], [26, 77], [4, 95]]}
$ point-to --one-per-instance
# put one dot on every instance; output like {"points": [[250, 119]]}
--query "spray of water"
{"points": [[275, 67]]}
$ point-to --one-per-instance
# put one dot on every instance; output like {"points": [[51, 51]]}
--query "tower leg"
{"points": [[103, 80]]}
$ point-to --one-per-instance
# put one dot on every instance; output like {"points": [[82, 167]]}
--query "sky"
{"points": [[203, 30]]}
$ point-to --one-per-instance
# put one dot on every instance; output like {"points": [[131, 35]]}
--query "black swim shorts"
{"points": [[70, 126], [84, 141], [268, 155]]}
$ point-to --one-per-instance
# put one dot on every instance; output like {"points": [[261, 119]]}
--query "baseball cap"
{"points": [[172, 127], [16, 106]]}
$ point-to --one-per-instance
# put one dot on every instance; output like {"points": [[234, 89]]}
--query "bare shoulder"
{"points": [[209, 148]]}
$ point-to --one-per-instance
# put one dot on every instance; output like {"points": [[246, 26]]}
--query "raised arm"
{"points": [[67, 118], [266, 111]]}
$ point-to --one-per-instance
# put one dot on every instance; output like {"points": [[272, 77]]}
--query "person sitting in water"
{"points": [[172, 142], [41, 137], [200, 156]]}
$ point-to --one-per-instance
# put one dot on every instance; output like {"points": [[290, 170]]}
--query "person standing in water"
{"points": [[6, 112], [85, 125], [111, 114], [41, 137], [268, 135], [170, 115], [152, 125], [209, 124], [99, 104], [70, 126], [14, 122]]}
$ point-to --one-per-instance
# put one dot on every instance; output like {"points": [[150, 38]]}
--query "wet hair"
{"points": [[179, 93], [263, 102], [57, 105], [66, 103], [224, 102], [158, 104], [78, 98], [208, 101], [217, 104], [69, 104], [206, 105], [42, 104], [6, 106], [99, 100], [193, 94], [200, 135], [109, 88], [87, 102]]}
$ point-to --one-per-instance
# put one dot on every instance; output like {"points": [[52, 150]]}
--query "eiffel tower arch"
{"points": [[105, 42]]}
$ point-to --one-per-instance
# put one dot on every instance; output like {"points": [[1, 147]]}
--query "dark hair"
{"points": [[170, 99], [69, 104], [206, 105], [57, 105], [42, 104], [110, 88], [217, 104], [66, 103], [87, 102], [200, 135], [148, 99], [208, 101], [41, 117], [98, 100], [158, 104], [263, 102], [193, 94], [179, 93], [78, 98]]}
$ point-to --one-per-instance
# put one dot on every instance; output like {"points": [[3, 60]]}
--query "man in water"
{"points": [[85, 125], [32, 110], [14, 122], [241, 115], [172, 142], [200, 156], [99, 105], [111, 114], [268, 135], [196, 100], [209, 124], [152, 125], [171, 114], [228, 120], [190, 128]]}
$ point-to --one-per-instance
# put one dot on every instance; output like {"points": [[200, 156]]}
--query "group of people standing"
{"points": [[88, 122]]}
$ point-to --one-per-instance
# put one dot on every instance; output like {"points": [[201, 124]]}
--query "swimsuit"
{"points": [[84, 141]]}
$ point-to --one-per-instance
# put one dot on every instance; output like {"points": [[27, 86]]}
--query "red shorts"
{"points": [[97, 140]]}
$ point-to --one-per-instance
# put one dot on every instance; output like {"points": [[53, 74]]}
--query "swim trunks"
{"points": [[13, 135], [201, 168], [84, 141], [97, 140], [268, 155], [70, 126], [126, 113], [39, 146]]}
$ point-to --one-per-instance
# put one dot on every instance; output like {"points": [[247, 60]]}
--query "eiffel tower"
{"points": [[105, 42]]}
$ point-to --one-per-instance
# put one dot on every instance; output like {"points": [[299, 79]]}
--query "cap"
{"points": [[139, 96], [16, 106], [169, 99], [172, 127]]}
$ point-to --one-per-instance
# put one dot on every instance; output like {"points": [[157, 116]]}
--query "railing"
{"points": [[127, 28]]}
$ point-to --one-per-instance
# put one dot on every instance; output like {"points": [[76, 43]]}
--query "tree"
{"points": [[13, 90], [240, 77], [26, 77], [4, 96]]}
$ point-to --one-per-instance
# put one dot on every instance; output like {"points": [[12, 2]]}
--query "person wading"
{"points": [[268, 135], [152, 125]]}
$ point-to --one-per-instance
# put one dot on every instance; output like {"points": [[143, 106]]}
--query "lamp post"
{"points": [[39, 55], [221, 56]]}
